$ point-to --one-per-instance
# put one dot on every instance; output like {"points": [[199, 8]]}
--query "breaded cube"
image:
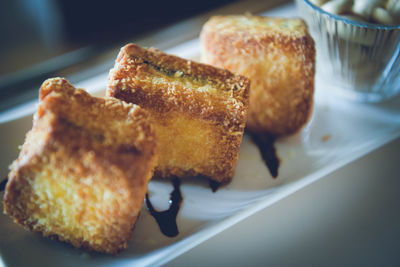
{"points": [[199, 111], [82, 173], [277, 55]]}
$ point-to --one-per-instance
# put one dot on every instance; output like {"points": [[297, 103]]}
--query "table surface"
{"points": [[348, 218]]}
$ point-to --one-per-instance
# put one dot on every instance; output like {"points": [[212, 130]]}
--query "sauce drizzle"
{"points": [[3, 184], [265, 144], [214, 185], [166, 219]]}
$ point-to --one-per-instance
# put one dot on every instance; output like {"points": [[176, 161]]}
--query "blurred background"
{"points": [[45, 38]]}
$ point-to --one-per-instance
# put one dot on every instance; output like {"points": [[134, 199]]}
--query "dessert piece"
{"points": [[277, 55], [199, 111], [82, 173]]}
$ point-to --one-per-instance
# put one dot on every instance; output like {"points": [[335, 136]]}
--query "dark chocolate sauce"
{"points": [[265, 144], [214, 185], [3, 184], [167, 219]]}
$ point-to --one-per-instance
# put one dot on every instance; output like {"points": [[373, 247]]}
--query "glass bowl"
{"points": [[358, 60]]}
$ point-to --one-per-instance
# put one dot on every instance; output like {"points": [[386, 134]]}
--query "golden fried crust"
{"points": [[277, 55], [83, 170], [199, 111]]}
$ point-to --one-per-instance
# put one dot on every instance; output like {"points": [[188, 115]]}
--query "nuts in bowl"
{"points": [[372, 11], [358, 45]]}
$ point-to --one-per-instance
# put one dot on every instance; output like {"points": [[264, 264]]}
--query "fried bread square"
{"points": [[277, 55], [199, 111], [82, 173]]}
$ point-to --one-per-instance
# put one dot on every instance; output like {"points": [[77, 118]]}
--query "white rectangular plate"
{"points": [[339, 132]]}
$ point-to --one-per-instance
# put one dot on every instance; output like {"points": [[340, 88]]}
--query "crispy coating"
{"points": [[83, 169], [277, 55], [199, 111]]}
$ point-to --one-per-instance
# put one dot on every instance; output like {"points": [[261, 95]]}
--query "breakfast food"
{"points": [[82, 173], [277, 55], [199, 111]]}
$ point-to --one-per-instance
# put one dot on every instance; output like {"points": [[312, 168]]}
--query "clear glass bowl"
{"points": [[358, 60]]}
